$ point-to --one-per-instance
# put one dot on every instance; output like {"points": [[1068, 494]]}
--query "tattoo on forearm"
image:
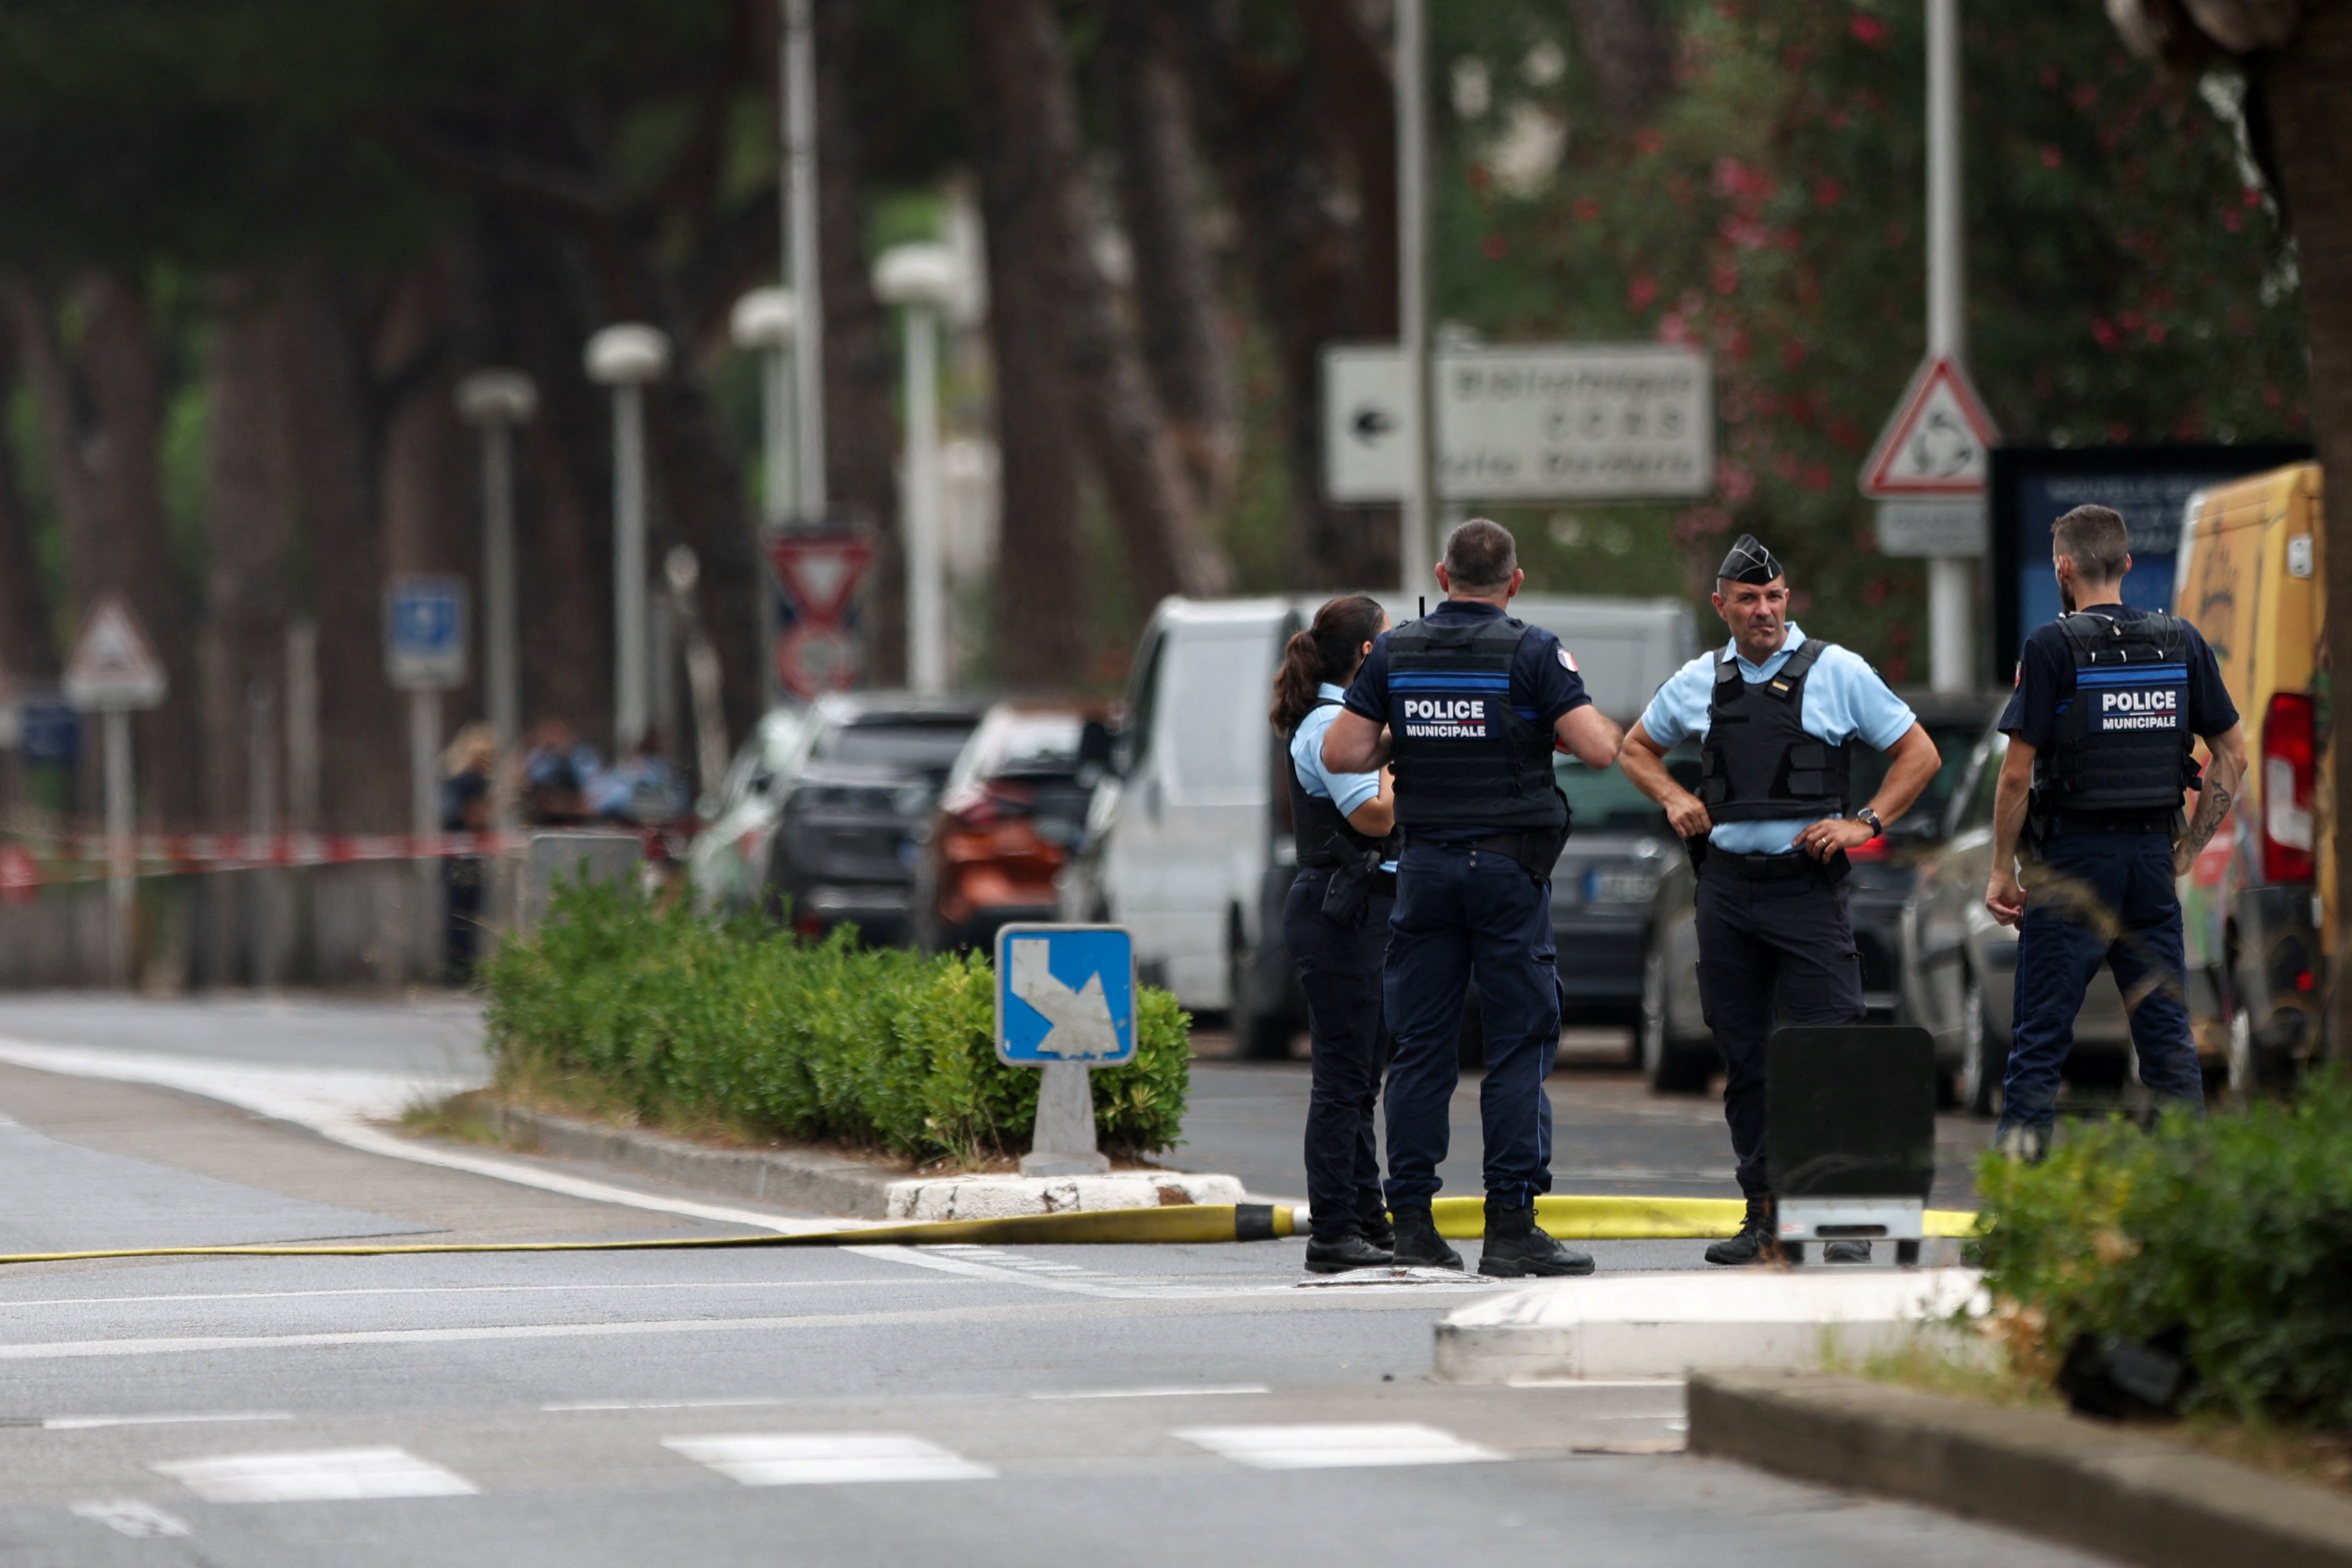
{"points": [[2212, 805]]}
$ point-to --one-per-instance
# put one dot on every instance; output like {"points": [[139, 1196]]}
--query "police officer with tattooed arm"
{"points": [[1471, 704], [2100, 732], [1777, 714]]}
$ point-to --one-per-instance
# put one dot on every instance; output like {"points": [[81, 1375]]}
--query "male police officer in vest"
{"points": [[2100, 731], [1471, 704], [1777, 712]]}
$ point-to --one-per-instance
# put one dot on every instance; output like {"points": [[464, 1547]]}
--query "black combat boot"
{"points": [[1757, 1242], [1517, 1246], [1418, 1244], [1347, 1252]]}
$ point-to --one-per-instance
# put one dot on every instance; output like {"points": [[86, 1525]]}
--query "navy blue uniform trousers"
{"points": [[1340, 969], [1456, 907], [2094, 896], [1784, 946]]}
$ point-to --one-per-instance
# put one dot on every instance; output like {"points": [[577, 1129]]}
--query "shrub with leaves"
{"points": [[677, 1017], [2233, 1232]]}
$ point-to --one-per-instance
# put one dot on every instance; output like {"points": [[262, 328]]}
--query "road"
{"points": [[848, 1405]]}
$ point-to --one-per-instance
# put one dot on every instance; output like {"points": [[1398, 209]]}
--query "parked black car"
{"points": [[853, 819], [1677, 1053]]}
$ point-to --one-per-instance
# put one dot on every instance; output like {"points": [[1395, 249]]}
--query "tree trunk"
{"points": [[1175, 279], [102, 421], [28, 649], [1041, 621], [2306, 90], [1034, 108], [1317, 276], [861, 361]]}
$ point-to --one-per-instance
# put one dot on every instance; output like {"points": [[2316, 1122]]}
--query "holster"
{"points": [[1349, 893], [1696, 847], [1539, 850]]}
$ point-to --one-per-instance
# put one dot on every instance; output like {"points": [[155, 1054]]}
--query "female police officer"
{"points": [[1336, 923]]}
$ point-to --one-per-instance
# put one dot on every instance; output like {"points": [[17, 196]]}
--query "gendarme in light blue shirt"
{"points": [[1346, 791], [1844, 699]]}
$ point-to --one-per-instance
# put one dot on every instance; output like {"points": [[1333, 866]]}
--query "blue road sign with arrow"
{"points": [[1064, 993]]}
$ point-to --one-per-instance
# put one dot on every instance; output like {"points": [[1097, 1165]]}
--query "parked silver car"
{"points": [[731, 854], [1959, 964]]}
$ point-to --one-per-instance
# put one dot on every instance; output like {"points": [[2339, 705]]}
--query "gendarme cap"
{"points": [[1749, 562]]}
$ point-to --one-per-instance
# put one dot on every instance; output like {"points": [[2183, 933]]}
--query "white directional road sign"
{"points": [[1064, 993], [1939, 445], [1524, 422], [424, 633], [113, 666]]}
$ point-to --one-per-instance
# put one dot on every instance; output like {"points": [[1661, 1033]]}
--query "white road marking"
{"points": [[1337, 1447], [86, 1423], [128, 1516], [325, 1475], [825, 1459], [8, 1306], [1157, 1393], [580, 1405]]}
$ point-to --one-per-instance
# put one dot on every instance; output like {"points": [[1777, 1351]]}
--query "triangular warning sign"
{"points": [[113, 664], [821, 571], [1939, 443]]}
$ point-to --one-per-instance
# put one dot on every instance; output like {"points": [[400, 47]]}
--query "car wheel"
{"points": [[1671, 1066], [1259, 1035], [1984, 1060]]}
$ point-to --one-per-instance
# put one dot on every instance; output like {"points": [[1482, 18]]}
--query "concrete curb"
{"points": [[2124, 1493], [856, 1189]]}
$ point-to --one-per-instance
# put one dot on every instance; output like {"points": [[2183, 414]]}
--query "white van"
{"points": [[1188, 843]]}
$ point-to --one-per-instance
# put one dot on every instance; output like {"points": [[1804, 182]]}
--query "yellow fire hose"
{"points": [[1569, 1218]]}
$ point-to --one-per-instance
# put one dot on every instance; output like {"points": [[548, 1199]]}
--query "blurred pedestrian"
{"points": [[1776, 714], [640, 790], [2109, 703], [469, 770], [557, 769], [1336, 921], [1471, 703]]}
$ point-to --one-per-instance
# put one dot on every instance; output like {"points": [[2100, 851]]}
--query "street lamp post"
{"points": [[495, 402], [763, 321], [923, 279], [624, 358]]}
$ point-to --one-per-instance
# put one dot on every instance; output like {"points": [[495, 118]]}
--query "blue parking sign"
{"points": [[1064, 993], [424, 632]]}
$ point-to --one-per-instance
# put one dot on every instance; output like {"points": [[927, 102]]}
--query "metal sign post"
{"points": [[113, 669], [424, 655], [1065, 1001]]}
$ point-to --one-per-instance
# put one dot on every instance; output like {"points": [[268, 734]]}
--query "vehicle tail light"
{"points": [[1872, 849], [2290, 788], [974, 807]]}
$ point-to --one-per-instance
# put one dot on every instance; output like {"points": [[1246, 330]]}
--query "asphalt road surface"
{"points": [[852, 1405]]}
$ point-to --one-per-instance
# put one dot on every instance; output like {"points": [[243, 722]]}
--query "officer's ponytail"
{"points": [[1328, 650]]}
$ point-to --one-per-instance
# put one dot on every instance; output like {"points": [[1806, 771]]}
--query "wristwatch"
{"points": [[1869, 819]]}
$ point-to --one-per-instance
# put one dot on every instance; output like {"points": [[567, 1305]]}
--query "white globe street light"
{"points": [[495, 402], [624, 357], [925, 280]]}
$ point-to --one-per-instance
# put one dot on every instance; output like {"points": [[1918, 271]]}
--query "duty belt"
{"points": [[1778, 868], [2076, 822]]}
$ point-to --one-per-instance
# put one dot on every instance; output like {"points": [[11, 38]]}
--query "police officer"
{"points": [[1777, 713], [2100, 730], [1470, 703], [1336, 921]]}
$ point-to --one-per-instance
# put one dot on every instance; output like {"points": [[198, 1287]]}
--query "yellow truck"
{"points": [[2250, 576]]}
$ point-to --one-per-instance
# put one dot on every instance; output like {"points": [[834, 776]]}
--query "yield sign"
{"points": [[113, 664], [821, 571], [1939, 442]]}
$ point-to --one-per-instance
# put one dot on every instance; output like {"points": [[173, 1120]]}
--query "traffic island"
{"points": [[2122, 1491], [1662, 1325]]}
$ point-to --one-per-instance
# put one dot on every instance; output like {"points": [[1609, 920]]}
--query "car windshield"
{"points": [[1605, 800], [1034, 743], [919, 745], [1955, 742]]}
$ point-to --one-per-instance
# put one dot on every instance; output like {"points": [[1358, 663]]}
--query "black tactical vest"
{"points": [[1465, 758], [1758, 764], [2121, 746], [1324, 837]]}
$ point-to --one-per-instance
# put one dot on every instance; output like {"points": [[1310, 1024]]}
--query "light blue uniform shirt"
{"points": [[1346, 791], [1844, 699]]}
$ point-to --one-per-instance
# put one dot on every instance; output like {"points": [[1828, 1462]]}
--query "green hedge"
{"points": [[681, 1018], [2234, 1231]]}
